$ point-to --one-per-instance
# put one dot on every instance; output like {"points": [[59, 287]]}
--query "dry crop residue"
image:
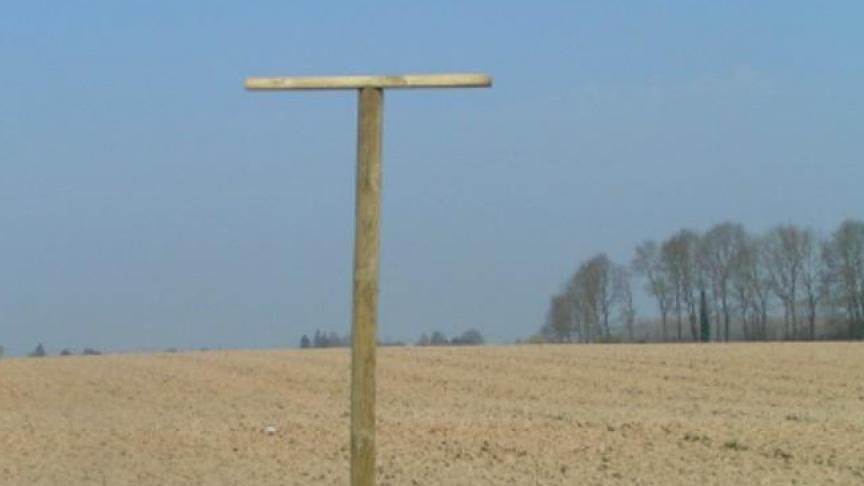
{"points": [[617, 414]]}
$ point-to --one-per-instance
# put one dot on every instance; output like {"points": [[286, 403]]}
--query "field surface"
{"points": [[619, 414]]}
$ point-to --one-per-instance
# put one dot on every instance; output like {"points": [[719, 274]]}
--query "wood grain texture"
{"points": [[359, 82], [365, 299]]}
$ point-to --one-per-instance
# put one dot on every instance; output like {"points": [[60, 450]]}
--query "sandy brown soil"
{"points": [[650, 414]]}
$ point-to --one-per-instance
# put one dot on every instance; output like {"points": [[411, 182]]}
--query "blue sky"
{"points": [[147, 200]]}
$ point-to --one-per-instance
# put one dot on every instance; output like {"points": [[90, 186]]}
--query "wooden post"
{"points": [[364, 314]]}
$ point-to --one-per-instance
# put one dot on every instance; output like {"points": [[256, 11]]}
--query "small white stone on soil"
{"points": [[269, 430]]}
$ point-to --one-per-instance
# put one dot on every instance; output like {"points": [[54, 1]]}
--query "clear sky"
{"points": [[147, 200]]}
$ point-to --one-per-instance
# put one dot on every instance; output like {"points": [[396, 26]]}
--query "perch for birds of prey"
{"points": [[364, 313]]}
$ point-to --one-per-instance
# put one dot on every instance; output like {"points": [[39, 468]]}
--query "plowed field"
{"points": [[618, 414]]}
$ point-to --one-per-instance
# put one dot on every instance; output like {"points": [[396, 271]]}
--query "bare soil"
{"points": [[615, 414]]}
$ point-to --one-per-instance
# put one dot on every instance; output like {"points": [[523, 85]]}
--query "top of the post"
{"points": [[358, 82]]}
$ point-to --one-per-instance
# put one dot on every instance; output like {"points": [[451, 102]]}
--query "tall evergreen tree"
{"points": [[38, 352], [704, 323]]}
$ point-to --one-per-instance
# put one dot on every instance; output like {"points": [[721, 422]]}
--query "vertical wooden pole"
{"points": [[365, 300]]}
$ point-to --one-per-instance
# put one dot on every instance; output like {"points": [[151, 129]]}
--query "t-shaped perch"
{"points": [[364, 314]]}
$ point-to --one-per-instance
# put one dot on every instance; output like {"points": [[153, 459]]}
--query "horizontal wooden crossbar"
{"points": [[357, 82]]}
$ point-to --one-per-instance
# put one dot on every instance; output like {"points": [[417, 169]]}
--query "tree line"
{"points": [[471, 337], [724, 284], [40, 352]]}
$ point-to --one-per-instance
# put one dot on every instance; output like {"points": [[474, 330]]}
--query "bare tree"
{"points": [[604, 271], [751, 289], [783, 256], [647, 262], [559, 320], [742, 276], [593, 294], [624, 294], [670, 255], [813, 277], [585, 288], [582, 312], [678, 258], [719, 252], [844, 258]]}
